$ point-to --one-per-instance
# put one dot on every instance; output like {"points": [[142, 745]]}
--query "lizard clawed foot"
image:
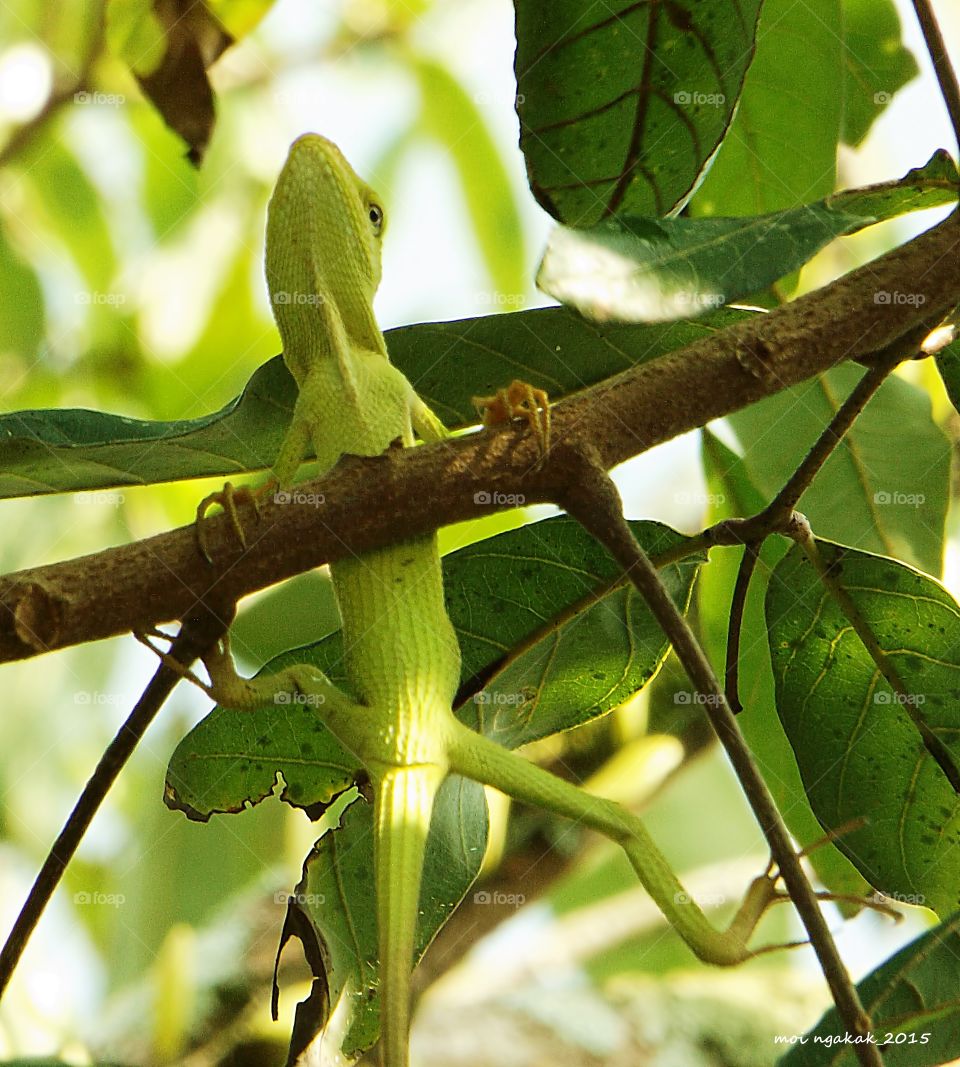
{"points": [[518, 400], [228, 498]]}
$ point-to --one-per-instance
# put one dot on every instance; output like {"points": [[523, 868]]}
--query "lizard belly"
{"points": [[400, 648]]}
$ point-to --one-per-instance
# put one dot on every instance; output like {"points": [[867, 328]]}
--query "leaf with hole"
{"points": [[555, 643]]}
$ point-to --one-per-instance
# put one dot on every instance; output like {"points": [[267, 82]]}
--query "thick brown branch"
{"points": [[363, 504]]}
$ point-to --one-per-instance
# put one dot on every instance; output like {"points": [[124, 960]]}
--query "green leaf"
{"points": [[876, 64], [872, 492], [914, 993], [655, 270], [239, 17], [573, 668], [622, 107], [135, 34], [336, 894], [69, 449], [936, 182], [68, 204], [860, 754], [448, 362], [232, 759], [21, 320], [781, 148], [450, 114]]}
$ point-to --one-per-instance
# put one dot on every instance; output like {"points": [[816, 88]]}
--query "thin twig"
{"points": [[946, 75], [738, 603], [195, 637], [594, 501]]}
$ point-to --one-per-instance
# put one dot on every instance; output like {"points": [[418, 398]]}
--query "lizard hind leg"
{"points": [[403, 805]]}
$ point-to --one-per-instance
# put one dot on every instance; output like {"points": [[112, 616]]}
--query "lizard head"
{"points": [[324, 231]]}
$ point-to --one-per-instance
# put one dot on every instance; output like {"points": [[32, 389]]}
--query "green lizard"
{"points": [[324, 232]]}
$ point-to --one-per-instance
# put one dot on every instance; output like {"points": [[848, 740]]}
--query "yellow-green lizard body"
{"points": [[403, 663]]}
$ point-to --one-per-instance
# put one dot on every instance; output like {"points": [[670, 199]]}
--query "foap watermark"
{"points": [[111, 900], [884, 696], [82, 96], [895, 297], [500, 699], [696, 299], [305, 900], [687, 497], [701, 900], [283, 296], [916, 899], [94, 698], [307, 700], [486, 97], [95, 299], [898, 499], [99, 498], [698, 99], [297, 496], [686, 696], [500, 899], [500, 500], [882, 97], [501, 300]]}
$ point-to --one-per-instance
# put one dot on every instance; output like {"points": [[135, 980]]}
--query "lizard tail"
{"points": [[404, 802]]}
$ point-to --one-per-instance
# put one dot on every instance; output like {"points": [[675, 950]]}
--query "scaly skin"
{"points": [[323, 267]]}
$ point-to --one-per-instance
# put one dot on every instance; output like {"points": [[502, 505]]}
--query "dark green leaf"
{"points": [[576, 668], [621, 107], [448, 363], [655, 270], [912, 1000], [936, 182], [860, 754]]}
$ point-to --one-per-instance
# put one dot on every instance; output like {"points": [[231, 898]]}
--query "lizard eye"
{"points": [[375, 213]]}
